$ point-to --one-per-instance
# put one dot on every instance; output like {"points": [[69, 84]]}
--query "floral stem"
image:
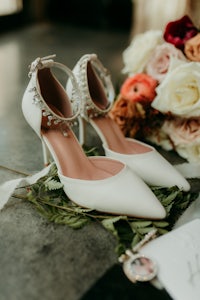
{"points": [[14, 171], [23, 197]]}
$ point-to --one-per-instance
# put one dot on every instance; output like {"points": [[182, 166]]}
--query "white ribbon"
{"points": [[7, 188]]}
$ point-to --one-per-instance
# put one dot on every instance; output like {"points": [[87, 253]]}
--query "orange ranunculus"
{"points": [[192, 48], [139, 88], [127, 115]]}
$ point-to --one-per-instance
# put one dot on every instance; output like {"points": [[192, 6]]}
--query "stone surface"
{"points": [[41, 260]]}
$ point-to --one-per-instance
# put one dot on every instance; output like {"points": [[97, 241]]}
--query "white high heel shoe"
{"points": [[98, 95], [99, 183]]}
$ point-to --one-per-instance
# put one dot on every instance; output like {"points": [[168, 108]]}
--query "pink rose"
{"points": [[184, 135], [158, 65], [139, 88], [182, 131]]}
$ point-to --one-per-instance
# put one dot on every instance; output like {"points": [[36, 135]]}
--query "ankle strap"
{"points": [[90, 108], [39, 63], [34, 105], [75, 97]]}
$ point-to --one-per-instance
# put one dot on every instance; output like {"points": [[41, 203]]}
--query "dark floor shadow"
{"points": [[115, 286]]}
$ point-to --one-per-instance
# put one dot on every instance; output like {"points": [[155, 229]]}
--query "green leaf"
{"points": [[75, 222], [91, 151], [160, 224], [109, 223], [162, 231], [52, 184], [80, 210], [146, 230], [142, 224], [120, 249], [168, 208], [135, 240]]}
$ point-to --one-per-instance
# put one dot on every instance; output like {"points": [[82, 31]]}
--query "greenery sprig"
{"points": [[48, 197]]}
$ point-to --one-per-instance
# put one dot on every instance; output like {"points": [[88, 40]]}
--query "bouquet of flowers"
{"points": [[160, 99]]}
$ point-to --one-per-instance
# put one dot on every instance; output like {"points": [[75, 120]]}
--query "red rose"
{"points": [[179, 31], [139, 88]]}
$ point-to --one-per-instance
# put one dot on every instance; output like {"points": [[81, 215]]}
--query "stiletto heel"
{"points": [[99, 183], [46, 154], [98, 95], [82, 130]]}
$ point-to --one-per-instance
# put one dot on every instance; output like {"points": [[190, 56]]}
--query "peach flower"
{"points": [[127, 115], [139, 88], [192, 48]]}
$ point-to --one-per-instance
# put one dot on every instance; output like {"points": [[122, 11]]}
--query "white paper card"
{"points": [[178, 257]]}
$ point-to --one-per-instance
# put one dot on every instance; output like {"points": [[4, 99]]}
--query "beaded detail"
{"points": [[52, 119], [91, 110]]}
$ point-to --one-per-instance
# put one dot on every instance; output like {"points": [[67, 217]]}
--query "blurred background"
{"points": [[99, 14], [37, 28]]}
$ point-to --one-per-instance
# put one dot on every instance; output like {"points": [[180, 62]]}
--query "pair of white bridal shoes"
{"points": [[100, 183]]}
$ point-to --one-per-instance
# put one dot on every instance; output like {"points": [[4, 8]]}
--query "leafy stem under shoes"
{"points": [[49, 199]]}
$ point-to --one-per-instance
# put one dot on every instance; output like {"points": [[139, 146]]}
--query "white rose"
{"points": [[189, 152], [136, 56], [179, 92]]}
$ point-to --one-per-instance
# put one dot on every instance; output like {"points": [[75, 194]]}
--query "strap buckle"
{"points": [[39, 62]]}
